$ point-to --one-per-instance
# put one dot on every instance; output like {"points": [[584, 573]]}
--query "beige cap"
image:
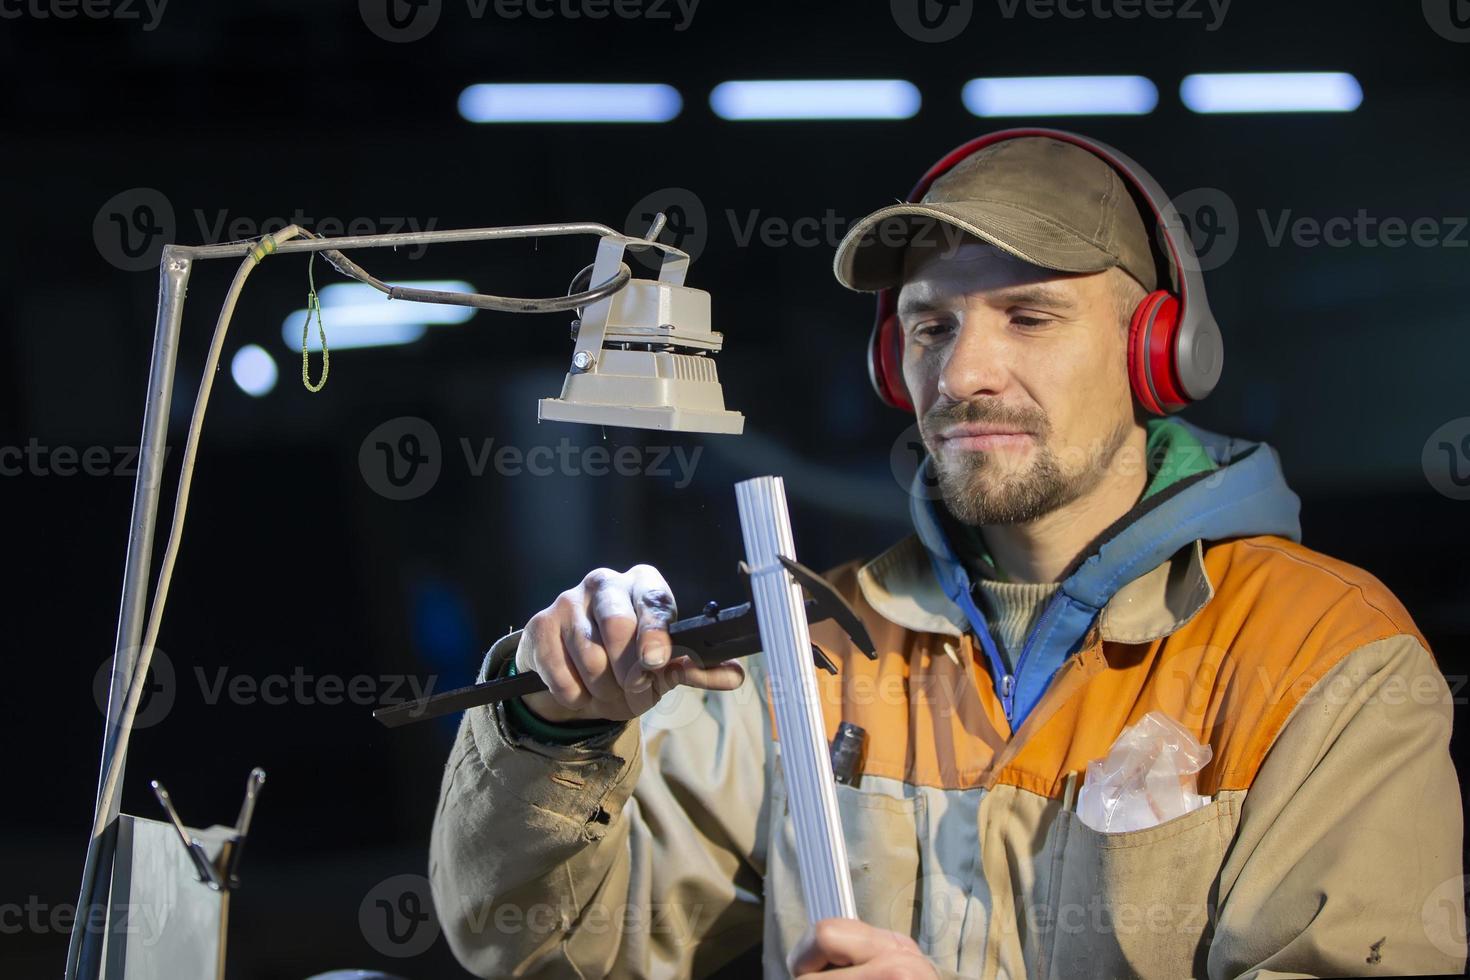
{"points": [[1046, 202]]}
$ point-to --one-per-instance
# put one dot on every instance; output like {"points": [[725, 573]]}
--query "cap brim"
{"points": [[871, 255]]}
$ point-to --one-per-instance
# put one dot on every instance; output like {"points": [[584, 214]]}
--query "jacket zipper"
{"points": [[1008, 683]]}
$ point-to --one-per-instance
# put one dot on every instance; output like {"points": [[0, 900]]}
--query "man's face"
{"points": [[1018, 376]]}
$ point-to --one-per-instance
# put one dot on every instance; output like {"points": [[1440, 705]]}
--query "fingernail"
{"points": [[641, 684], [654, 659]]}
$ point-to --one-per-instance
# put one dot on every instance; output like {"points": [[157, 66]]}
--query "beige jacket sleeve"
{"points": [[1347, 859], [639, 853]]}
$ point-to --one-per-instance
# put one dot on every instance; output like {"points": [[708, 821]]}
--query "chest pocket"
{"points": [[1137, 903], [882, 836]]}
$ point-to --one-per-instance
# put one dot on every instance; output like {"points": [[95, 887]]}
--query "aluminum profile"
{"points": [[821, 851]]}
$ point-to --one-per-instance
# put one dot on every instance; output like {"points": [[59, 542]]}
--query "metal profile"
{"points": [[821, 851]]}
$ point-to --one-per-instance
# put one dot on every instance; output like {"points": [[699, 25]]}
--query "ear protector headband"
{"points": [[1175, 352]]}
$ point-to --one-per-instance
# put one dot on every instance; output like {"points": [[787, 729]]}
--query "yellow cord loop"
{"points": [[313, 307]]}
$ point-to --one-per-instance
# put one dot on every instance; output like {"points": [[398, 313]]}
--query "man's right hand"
{"points": [[604, 651]]}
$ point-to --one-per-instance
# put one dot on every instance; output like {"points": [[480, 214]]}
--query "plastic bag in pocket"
{"points": [[1149, 776]]}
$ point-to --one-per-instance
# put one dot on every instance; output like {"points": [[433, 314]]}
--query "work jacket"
{"points": [[1330, 843]]}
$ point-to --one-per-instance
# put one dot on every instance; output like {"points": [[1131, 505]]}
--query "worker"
{"points": [[1081, 557]]}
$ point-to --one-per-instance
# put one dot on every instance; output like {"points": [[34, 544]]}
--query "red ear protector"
{"points": [[1175, 352]]}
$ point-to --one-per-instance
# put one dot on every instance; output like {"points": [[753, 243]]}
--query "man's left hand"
{"points": [[851, 949]]}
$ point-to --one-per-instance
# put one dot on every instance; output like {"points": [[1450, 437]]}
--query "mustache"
{"points": [[947, 414]]}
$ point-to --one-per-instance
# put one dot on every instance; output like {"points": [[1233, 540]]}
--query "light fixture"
{"points": [[1310, 91], [643, 357], [1061, 95], [569, 102], [876, 98]]}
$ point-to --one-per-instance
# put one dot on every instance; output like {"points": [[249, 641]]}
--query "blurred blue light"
{"points": [[1061, 95], [254, 370], [875, 98], [571, 102], [357, 315], [1307, 91]]}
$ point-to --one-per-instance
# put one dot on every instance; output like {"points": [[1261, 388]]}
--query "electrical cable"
{"points": [[267, 245]]}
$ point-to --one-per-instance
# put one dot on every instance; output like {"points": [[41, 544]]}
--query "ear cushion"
{"points": [[1152, 337], [885, 362]]}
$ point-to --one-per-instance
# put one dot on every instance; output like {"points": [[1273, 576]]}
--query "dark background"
{"points": [[1344, 358]]}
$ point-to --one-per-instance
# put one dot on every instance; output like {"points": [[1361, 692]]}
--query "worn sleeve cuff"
{"points": [[523, 721]]}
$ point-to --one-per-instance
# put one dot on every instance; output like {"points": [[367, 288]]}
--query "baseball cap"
{"points": [[1050, 203]]}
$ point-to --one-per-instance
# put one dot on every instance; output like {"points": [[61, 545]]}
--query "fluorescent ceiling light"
{"points": [[573, 102], [357, 315], [875, 98], [1309, 91], [1061, 95], [254, 370]]}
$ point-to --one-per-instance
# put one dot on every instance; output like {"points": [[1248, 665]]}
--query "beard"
{"points": [[982, 487]]}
